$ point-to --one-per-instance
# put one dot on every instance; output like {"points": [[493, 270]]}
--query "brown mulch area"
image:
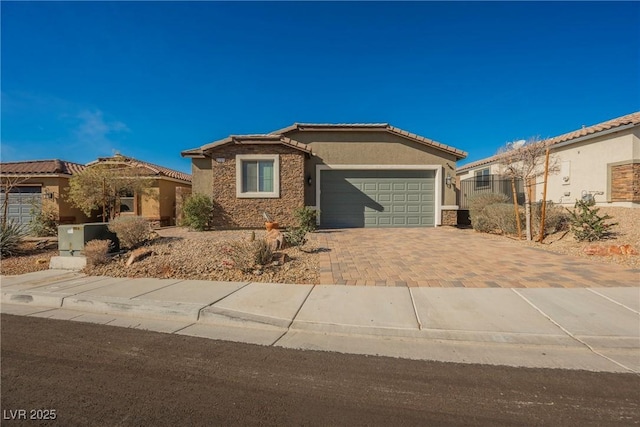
{"points": [[29, 258]]}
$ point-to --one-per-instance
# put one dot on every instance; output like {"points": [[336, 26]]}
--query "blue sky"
{"points": [[150, 79]]}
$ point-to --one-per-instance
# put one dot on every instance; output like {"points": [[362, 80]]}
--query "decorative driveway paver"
{"points": [[449, 257]]}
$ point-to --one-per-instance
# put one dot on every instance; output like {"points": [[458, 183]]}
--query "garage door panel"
{"points": [[377, 198]]}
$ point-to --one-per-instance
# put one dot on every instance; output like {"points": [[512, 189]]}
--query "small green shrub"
{"points": [[306, 218], [480, 221], [11, 235], [45, 220], [586, 224], [501, 218], [97, 252], [197, 211], [132, 231], [249, 255]]}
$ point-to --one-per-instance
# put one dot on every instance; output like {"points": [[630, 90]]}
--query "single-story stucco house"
{"points": [[47, 181], [161, 206], [601, 161], [29, 183], [354, 175]]}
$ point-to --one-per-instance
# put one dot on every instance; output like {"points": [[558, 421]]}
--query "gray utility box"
{"points": [[72, 238]]}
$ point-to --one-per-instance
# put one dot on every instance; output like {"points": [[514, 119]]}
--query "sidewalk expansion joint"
{"points": [[566, 331], [613, 301], [415, 309], [220, 299], [293, 319]]}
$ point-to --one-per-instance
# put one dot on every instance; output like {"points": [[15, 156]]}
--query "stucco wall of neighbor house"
{"points": [[59, 188], [168, 200], [371, 148], [233, 212], [586, 166]]}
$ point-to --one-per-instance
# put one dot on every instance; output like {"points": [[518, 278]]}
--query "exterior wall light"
{"points": [[309, 179], [447, 180]]}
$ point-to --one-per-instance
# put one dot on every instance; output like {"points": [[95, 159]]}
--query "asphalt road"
{"points": [[100, 375]]}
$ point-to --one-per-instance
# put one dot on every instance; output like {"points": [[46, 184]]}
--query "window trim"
{"points": [[275, 158]]}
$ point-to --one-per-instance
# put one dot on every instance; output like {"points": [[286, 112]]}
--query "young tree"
{"points": [[101, 186], [525, 161]]}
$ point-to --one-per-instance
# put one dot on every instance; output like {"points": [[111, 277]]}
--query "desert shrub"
{"points": [[248, 255], [586, 224], [556, 218], [500, 217], [480, 221], [11, 235], [97, 251], [132, 231], [196, 211], [45, 220], [306, 218], [296, 236]]}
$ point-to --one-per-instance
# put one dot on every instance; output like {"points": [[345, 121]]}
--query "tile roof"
{"points": [[41, 167], [269, 138], [632, 119], [156, 169], [629, 119], [281, 135]]}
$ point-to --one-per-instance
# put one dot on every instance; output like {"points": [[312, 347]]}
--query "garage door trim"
{"points": [[436, 168]]}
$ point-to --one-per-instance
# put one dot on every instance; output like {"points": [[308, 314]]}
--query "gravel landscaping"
{"points": [[627, 232], [178, 253], [182, 254]]}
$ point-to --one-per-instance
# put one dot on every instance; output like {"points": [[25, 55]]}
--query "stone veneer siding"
{"points": [[625, 183], [449, 217], [232, 212]]}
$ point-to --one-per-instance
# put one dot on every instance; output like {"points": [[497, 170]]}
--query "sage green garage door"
{"points": [[377, 198]]}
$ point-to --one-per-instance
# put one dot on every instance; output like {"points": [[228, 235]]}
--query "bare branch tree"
{"points": [[525, 161]]}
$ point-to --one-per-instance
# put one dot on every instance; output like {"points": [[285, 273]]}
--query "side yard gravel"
{"points": [[627, 232]]}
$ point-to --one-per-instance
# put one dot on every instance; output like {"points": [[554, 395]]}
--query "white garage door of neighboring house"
{"points": [[377, 198], [21, 202]]}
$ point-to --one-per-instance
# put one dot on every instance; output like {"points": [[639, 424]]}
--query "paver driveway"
{"points": [[449, 257]]}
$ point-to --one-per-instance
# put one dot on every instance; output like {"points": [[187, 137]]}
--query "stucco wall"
{"points": [[233, 212], [201, 176], [59, 188], [371, 148], [587, 165]]}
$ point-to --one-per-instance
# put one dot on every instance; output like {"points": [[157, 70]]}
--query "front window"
{"points": [[127, 204], [482, 178], [257, 176]]}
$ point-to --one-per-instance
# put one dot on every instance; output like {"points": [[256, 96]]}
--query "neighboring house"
{"points": [[601, 161], [168, 188], [355, 175], [31, 183]]}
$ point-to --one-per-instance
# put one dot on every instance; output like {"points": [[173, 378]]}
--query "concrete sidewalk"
{"points": [[596, 329]]}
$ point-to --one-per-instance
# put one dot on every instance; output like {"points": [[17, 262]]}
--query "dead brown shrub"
{"points": [[97, 252]]}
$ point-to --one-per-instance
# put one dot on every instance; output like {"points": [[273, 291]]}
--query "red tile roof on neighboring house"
{"points": [[629, 119], [279, 136], [593, 131], [41, 167], [156, 169]]}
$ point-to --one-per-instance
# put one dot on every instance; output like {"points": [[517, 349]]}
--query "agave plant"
{"points": [[11, 234]]}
